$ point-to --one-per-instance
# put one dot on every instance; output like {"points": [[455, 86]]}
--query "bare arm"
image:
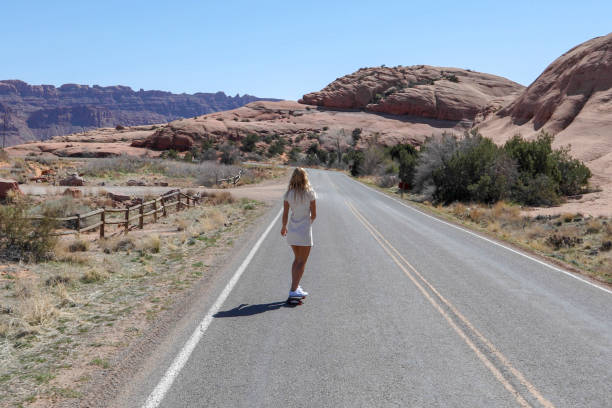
{"points": [[313, 210], [285, 218]]}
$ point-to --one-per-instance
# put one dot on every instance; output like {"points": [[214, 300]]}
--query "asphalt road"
{"points": [[404, 311]]}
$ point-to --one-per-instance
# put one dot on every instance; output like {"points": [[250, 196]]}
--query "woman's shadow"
{"points": [[249, 310]]}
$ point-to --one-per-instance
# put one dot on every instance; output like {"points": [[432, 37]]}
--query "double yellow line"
{"points": [[452, 316]]}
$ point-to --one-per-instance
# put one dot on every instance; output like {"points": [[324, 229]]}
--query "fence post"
{"points": [[178, 206], [155, 210], [78, 226], [127, 220], [141, 218], [163, 203], [187, 201], [102, 220]]}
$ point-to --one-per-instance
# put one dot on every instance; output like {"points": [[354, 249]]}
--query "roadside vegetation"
{"points": [[174, 172], [68, 304]]}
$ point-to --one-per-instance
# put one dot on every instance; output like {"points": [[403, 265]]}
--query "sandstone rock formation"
{"points": [[72, 180], [38, 112], [7, 186], [572, 99], [297, 123], [422, 91]]}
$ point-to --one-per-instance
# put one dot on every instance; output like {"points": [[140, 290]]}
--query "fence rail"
{"points": [[158, 207]]}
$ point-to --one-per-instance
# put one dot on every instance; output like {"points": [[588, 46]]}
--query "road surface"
{"points": [[404, 311]]}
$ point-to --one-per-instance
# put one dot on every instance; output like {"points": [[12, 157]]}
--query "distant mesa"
{"points": [[40, 112]]}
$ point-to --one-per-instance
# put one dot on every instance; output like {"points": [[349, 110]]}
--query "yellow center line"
{"points": [[394, 255]]}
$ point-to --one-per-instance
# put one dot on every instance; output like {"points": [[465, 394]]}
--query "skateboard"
{"points": [[295, 300]]}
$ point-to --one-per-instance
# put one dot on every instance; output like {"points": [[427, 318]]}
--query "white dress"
{"points": [[299, 228]]}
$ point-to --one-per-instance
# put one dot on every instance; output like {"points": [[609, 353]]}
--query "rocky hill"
{"points": [[572, 99], [39, 112], [421, 90]]}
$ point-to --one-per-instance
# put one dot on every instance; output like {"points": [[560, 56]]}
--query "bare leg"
{"points": [[299, 263]]}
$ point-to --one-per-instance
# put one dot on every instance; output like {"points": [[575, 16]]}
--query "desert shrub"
{"points": [[562, 241], [93, 275], [541, 190], [150, 243], [294, 154], [407, 157], [22, 239], [323, 156], [573, 174], [78, 245], [472, 168], [38, 309], [593, 227], [606, 246], [476, 214], [355, 136], [354, 159], [565, 175], [229, 154], [505, 212], [278, 147], [475, 169], [373, 158], [223, 197], [117, 244], [459, 210], [119, 127], [387, 180], [248, 143]]}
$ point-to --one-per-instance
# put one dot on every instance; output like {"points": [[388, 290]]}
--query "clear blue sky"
{"points": [[285, 48]]}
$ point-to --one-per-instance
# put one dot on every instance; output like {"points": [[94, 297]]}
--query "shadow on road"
{"points": [[249, 310]]}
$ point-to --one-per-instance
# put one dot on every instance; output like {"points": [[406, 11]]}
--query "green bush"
{"points": [[540, 191], [294, 154], [354, 159], [574, 175], [22, 239], [248, 144], [278, 147], [475, 169], [469, 172], [355, 136]]}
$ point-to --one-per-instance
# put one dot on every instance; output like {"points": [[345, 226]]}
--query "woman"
{"points": [[300, 197]]}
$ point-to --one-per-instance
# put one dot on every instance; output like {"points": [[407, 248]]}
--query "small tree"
{"points": [[229, 154], [355, 135]]}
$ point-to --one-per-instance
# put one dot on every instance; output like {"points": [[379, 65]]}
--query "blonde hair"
{"points": [[299, 183]]}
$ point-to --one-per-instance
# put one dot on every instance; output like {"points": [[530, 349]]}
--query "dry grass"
{"points": [[150, 243], [78, 245], [593, 226], [459, 210], [93, 275], [38, 309], [477, 215], [62, 311], [64, 253], [223, 197], [116, 244], [181, 225], [583, 242]]}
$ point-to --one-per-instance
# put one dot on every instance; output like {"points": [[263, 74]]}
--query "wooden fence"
{"points": [[124, 217]]}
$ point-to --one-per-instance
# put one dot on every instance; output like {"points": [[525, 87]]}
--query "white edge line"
{"points": [[486, 239], [165, 383]]}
